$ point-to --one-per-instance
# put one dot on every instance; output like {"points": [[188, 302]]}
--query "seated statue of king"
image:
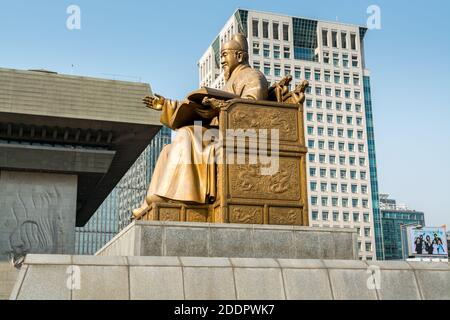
{"points": [[179, 176]]}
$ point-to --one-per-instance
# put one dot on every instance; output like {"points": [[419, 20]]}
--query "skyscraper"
{"points": [[394, 216], [115, 212], [342, 177]]}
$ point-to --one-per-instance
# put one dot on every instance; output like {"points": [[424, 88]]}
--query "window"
{"points": [[353, 174], [329, 103], [363, 175], [355, 80], [317, 75], [312, 157], [322, 158], [344, 176], [285, 32], [330, 143], [357, 95], [287, 52], [334, 187], [333, 171], [308, 103], [255, 28], [368, 246], [351, 147], [297, 73], [366, 217], [342, 160], [364, 189], [323, 173], [312, 172], [340, 132], [315, 214], [324, 201], [337, 78], [265, 29], [365, 203], [346, 215], [321, 144], [351, 161], [355, 203], [329, 118], [276, 52], [275, 30], [350, 134], [349, 120], [345, 60], [277, 70], [338, 106], [334, 39], [319, 117], [267, 70], [325, 38], [256, 65], [360, 134], [328, 94], [367, 232], [313, 186], [337, 93], [359, 121], [357, 107], [308, 75], [319, 104], [341, 146], [320, 131], [353, 41], [344, 40], [266, 50], [326, 57], [354, 188], [256, 48], [335, 216], [327, 76], [355, 217], [310, 143], [346, 78], [354, 61], [323, 187], [325, 215], [348, 107], [362, 161], [334, 202], [336, 59], [347, 94], [309, 116]]}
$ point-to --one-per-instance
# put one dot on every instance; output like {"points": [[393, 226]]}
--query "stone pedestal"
{"points": [[37, 213], [157, 238]]}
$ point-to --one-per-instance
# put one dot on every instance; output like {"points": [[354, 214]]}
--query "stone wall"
{"points": [[159, 238], [96, 277]]}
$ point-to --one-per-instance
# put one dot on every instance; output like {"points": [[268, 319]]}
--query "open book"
{"points": [[185, 113]]}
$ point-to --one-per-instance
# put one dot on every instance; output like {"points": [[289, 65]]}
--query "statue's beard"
{"points": [[226, 73]]}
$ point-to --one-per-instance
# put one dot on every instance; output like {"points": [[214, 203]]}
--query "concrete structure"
{"points": [[342, 177], [114, 213], [68, 277], [394, 216], [157, 238], [65, 142], [8, 277]]}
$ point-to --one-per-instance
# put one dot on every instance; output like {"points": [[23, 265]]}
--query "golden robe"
{"points": [[185, 170]]}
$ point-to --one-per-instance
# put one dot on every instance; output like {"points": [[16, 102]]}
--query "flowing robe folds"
{"points": [[185, 170]]}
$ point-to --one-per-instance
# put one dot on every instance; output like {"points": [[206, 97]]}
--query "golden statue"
{"points": [[189, 181], [188, 184]]}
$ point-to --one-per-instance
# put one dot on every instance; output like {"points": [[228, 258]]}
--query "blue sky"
{"points": [[160, 42]]}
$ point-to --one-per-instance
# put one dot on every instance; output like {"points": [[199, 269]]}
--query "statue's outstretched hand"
{"points": [[156, 102]]}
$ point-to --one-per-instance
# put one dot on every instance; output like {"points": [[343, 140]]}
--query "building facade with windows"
{"points": [[395, 217], [115, 212], [342, 177]]}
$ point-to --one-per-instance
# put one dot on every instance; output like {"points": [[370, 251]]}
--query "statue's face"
{"points": [[230, 59]]}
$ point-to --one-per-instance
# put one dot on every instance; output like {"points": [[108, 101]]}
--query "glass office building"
{"points": [[339, 130], [115, 212], [393, 217]]}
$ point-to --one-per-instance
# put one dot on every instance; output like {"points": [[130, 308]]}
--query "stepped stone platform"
{"points": [[166, 238], [198, 278]]}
